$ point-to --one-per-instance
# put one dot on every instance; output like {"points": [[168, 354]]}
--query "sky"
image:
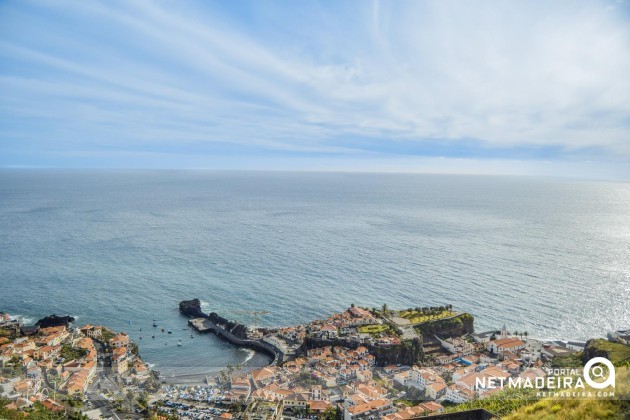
{"points": [[505, 87]]}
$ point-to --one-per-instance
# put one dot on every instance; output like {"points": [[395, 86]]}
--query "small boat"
{"points": [[179, 344], [192, 336], [152, 336], [170, 332], [166, 344], [140, 329], [154, 324], [162, 329]]}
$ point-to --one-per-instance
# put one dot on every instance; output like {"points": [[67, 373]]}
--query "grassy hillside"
{"points": [[617, 353], [519, 404]]}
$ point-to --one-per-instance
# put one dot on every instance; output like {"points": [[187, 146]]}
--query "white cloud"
{"points": [[510, 74]]}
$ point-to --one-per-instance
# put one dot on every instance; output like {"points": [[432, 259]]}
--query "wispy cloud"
{"points": [[477, 79]]}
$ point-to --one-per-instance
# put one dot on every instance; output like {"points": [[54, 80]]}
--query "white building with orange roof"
{"points": [[46, 352], [263, 375], [422, 409], [119, 340], [459, 394], [372, 409], [120, 360], [436, 390], [512, 344]]}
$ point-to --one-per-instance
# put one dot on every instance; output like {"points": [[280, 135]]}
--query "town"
{"points": [[359, 363]]}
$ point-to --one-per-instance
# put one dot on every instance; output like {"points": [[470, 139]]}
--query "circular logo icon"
{"points": [[593, 369]]}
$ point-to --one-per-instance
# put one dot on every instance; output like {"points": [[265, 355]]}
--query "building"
{"points": [[511, 344], [423, 409], [372, 409], [120, 340], [295, 401], [436, 390], [621, 336], [484, 337]]}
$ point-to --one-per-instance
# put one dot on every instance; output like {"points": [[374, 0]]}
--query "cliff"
{"points": [[407, 353], [452, 327], [617, 353]]}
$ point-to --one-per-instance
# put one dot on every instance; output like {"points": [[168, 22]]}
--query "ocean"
{"points": [[121, 248]]}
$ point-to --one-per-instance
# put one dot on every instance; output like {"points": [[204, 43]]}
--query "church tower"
{"points": [[504, 332]]}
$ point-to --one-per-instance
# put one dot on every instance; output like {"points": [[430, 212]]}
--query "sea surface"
{"points": [[546, 256]]}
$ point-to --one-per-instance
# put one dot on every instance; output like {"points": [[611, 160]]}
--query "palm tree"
{"points": [[385, 309], [515, 333], [525, 334]]}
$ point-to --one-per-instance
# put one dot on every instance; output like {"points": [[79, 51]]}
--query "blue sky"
{"points": [[515, 87]]}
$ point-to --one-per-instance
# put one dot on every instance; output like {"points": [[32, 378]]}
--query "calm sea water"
{"points": [[551, 257]]}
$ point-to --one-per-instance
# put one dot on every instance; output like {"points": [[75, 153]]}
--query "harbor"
{"points": [[204, 325]]}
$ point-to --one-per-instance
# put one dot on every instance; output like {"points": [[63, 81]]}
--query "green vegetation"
{"points": [[376, 330], [450, 327], [577, 409], [72, 353], [417, 317], [7, 332], [569, 361], [37, 412], [617, 353], [515, 404], [107, 335], [373, 329], [572, 409], [500, 404]]}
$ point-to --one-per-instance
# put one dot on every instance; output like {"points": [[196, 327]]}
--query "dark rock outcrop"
{"points": [[191, 308], [54, 321]]}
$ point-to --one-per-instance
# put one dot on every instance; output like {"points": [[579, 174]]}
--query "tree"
{"points": [[329, 414], [352, 305], [385, 309], [525, 334], [515, 333]]}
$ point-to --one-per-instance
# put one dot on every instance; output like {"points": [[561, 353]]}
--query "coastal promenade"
{"points": [[203, 325]]}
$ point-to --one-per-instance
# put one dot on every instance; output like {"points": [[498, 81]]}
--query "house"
{"points": [[621, 336], [141, 370], [53, 405], [120, 363], [436, 390], [554, 351], [484, 337], [120, 340], [457, 346], [91, 331], [318, 406], [512, 344], [423, 409], [295, 400], [263, 375], [329, 331], [459, 394], [445, 358], [372, 409], [357, 312]]}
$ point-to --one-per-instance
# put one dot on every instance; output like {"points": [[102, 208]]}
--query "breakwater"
{"points": [[230, 331]]}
